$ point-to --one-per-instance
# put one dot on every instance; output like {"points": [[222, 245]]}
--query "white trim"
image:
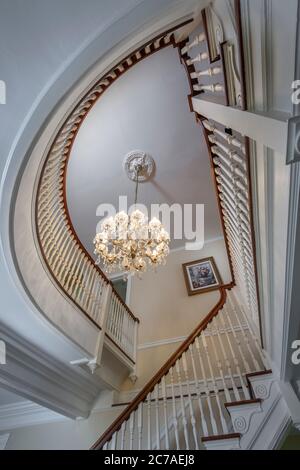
{"points": [[266, 55], [162, 342], [206, 242], [247, 45], [180, 339], [269, 131], [26, 413], [3, 441], [33, 374]]}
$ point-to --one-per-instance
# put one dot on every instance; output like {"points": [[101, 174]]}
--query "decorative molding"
{"points": [[180, 339], [3, 440], [247, 43], [214, 32], [31, 373], [135, 159], [269, 229], [257, 230], [26, 413], [266, 59], [233, 83], [206, 242], [241, 415]]}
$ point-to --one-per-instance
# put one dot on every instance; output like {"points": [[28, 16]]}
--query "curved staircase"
{"points": [[205, 395]]}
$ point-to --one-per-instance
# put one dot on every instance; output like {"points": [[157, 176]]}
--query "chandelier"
{"points": [[129, 242]]}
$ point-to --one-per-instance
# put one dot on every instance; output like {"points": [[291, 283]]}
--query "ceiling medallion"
{"points": [[143, 160], [129, 243]]}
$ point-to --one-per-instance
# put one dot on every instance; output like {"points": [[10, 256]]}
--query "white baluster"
{"points": [[175, 422], [192, 414], [213, 88], [157, 423], [113, 441], [131, 430], [237, 341], [215, 324], [231, 140], [255, 338], [198, 39], [234, 358], [198, 391], [140, 425], [123, 435], [218, 361], [223, 421], [211, 72], [165, 406], [207, 392], [199, 58], [149, 421], [182, 405]]}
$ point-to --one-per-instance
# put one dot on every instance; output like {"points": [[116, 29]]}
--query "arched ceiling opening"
{"points": [[147, 109]]}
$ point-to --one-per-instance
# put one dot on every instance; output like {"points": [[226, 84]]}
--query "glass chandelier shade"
{"points": [[130, 243]]}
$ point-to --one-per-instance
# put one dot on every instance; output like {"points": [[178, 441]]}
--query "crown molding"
{"points": [[37, 376], [206, 242], [26, 413]]}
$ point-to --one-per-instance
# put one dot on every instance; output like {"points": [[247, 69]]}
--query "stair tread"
{"points": [[257, 374], [221, 437], [243, 402]]}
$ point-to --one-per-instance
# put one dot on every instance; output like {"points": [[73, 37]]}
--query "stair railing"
{"points": [[184, 401], [70, 265]]}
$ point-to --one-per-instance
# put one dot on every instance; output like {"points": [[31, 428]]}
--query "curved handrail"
{"points": [[124, 416], [66, 259]]}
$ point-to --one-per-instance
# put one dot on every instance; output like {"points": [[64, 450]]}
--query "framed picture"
{"points": [[201, 276]]}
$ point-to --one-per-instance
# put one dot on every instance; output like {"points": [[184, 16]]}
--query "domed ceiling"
{"points": [[145, 109]]}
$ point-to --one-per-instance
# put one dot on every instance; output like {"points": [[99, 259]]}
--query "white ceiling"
{"points": [[146, 109]]}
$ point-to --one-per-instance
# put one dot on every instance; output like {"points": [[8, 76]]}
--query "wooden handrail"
{"points": [[116, 425]]}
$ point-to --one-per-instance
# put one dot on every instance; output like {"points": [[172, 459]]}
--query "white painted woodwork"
{"points": [[188, 402], [267, 130]]}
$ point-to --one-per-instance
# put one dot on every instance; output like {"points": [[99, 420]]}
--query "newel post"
{"points": [[96, 362]]}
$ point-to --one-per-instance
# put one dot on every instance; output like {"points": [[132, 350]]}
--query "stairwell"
{"points": [[215, 392]]}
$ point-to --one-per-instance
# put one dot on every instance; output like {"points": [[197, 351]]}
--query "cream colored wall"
{"points": [[161, 301], [67, 434], [165, 310]]}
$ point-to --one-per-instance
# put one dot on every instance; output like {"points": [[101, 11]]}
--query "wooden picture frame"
{"points": [[201, 276]]}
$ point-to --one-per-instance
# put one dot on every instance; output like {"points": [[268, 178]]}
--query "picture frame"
{"points": [[201, 276]]}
